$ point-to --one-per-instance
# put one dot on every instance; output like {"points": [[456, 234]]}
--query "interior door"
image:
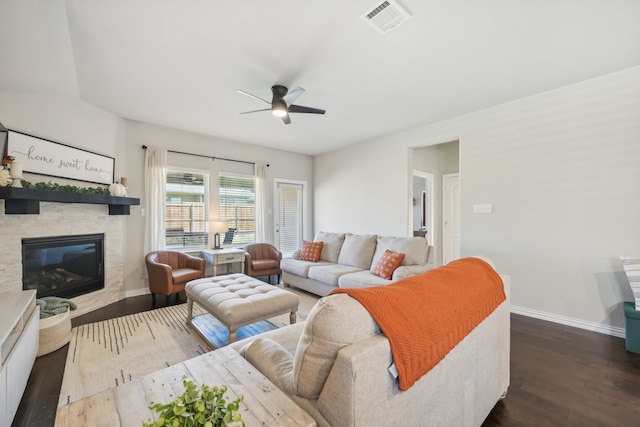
{"points": [[288, 216], [450, 217]]}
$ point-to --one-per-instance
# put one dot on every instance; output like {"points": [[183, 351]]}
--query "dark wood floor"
{"points": [[560, 376]]}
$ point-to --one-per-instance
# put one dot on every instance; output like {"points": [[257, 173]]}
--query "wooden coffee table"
{"points": [[128, 405]]}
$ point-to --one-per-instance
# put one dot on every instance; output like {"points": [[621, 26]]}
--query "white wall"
{"points": [[561, 170]]}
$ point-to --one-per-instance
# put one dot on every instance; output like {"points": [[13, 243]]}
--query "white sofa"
{"points": [[340, 375], [347, 259]]}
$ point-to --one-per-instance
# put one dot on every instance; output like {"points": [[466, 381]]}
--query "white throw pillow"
{"points": [[332, 245], [357, 250]]}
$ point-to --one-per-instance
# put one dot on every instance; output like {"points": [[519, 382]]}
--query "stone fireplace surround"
{"points": [[56, 219]]}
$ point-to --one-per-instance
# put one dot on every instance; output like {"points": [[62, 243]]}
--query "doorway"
{"points": [[435, 161], [423, 213]]}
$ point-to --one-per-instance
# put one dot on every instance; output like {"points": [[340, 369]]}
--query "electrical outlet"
{"points": [[483, 208]]}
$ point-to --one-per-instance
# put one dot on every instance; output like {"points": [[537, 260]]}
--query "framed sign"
{"points": [[44, 157]]}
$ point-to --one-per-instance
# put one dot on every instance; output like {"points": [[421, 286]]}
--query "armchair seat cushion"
{"points": [[184, 275], [265, 264]]}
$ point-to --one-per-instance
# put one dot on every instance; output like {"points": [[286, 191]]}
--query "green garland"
{"points": [[52, 186]]}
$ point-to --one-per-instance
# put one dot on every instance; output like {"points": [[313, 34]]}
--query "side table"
{"points": [[223, 261]]}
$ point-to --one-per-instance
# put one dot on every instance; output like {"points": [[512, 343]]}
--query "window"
{"points": [[238, 207], [186, 209]]}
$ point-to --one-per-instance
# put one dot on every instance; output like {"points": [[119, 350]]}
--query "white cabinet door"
{"points": [[20, 363], [4, 414]]}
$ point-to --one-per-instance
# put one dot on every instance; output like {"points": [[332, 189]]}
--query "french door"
{"points": [[288, 216]]}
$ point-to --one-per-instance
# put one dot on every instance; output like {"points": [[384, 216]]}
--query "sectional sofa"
{"points": [[347, 261], [342, 376]]}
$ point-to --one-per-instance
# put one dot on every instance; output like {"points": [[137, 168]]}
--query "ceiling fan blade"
{"points": [[286, 120], [255, 111], [292, 95], [252, 96], [302, 109]]}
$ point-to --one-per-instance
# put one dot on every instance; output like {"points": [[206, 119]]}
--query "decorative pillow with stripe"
{"points": [[310, 251]]}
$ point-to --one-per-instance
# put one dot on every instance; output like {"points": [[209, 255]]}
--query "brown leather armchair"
{"points": [[169, 272], [262, 259]]}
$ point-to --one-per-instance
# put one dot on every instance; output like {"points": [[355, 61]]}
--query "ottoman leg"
{"points": [[293, 317], [189, 310], [233, 335]]}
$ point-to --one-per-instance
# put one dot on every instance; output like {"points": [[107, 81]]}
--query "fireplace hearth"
{"points": [[63, 266]]}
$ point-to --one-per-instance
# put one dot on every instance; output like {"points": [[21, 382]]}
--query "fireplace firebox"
{"points": [[63, 266]]}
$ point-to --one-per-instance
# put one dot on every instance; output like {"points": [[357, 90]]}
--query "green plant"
{"points": [[198, 407], [52, 186]]}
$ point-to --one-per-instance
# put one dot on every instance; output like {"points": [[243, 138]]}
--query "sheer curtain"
{"points": [[263, 225], [155, 184]]}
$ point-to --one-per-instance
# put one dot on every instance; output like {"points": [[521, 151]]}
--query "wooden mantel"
{"points": [[20, 201]]}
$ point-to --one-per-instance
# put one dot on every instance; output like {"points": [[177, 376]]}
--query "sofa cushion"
{"points": [[361, 279], [324, 334], [388, 264], [357, 250], [298, 267], [332, 245], [273, 360], [330, 273], [415, 249], [310, 251]]}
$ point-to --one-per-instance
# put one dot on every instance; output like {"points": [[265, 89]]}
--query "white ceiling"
{"points": [[179, 63]]}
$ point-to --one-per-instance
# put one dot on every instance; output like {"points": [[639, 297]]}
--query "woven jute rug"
{"points": [[116, 351]]}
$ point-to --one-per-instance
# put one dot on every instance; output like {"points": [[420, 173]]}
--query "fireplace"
{"points": [[63, 266]]}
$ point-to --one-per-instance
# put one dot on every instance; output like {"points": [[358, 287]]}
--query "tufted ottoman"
{"points": [[237, 300]]}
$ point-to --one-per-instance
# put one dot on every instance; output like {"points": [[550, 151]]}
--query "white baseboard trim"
{"points": [[570, 321]]}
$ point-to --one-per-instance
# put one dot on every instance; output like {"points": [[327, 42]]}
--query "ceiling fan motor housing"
{"points": [[279, 92]]}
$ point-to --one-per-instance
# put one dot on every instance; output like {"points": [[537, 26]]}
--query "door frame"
{"points": [[276, 208]]}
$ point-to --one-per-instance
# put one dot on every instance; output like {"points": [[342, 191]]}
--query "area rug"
{"points": [[116, 351]]}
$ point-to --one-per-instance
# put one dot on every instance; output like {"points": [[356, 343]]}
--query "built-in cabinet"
{"points": [[19, 335]]}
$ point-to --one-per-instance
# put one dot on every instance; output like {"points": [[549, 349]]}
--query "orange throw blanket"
{"points": [[424, 317]]}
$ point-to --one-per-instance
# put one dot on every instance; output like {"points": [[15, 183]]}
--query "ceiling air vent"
{"points": [[385, 16]]}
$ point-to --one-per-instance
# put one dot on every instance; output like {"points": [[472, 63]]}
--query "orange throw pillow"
{"points": [[388, 264], [310, 251]]}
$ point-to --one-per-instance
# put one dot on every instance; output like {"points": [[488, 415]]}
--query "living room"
{"points": [[558, 165]]}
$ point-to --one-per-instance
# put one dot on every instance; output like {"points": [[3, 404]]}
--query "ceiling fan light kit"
{"points": [[279, 109], [282, 103]]}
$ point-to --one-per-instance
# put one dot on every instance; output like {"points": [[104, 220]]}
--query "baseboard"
{"points": [[135, 293], [570, 321]]}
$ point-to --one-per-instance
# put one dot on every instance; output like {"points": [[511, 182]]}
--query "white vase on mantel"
{"points": [[16, 174], [118, 190]]}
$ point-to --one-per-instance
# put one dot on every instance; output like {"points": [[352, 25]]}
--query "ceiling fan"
{"points": [[282, 103]]}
